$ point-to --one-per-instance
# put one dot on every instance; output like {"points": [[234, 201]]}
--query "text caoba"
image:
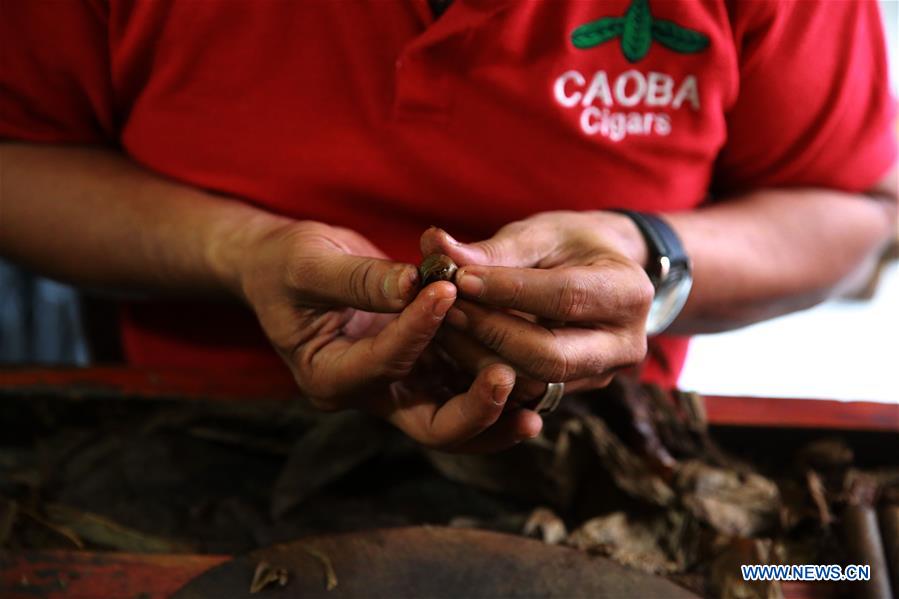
{"points": [[601, 99]]}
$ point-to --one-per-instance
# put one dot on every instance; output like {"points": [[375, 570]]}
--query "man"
{"points": [[290, 154]]}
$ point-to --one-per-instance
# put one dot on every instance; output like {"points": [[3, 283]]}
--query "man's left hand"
{"points": [[561, 297]]}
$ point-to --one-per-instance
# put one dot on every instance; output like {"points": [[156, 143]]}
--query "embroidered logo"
{"points": [[637, 30]]}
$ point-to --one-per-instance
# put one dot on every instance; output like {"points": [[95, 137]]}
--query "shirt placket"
{"points": [[422, 82]]}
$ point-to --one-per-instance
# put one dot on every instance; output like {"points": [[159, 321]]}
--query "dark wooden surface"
{"points": [[90, 575], [434, 562], [100, 575]]}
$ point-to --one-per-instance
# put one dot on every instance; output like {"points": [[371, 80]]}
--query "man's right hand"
{"points": [[348, 322], [351, 325]]}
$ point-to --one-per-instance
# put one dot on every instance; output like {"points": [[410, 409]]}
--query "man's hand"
{"points": [[323, 296], [561, 297], [349, 323], [327, 299]]}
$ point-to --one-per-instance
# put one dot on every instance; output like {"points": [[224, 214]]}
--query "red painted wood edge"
{"points": [[120, 382], [85, 575], [802, 413], [277, 385]]}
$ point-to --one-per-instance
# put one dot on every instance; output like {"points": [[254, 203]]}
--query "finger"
{"points": [[512, 428], [549, 355], [342, 366], [503, 249], [613, 292], [471, 356], [463, 416], [370, 284], [466, 352]]}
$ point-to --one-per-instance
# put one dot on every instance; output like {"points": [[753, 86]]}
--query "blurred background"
{"points": [[846, 349], [843, 349]]}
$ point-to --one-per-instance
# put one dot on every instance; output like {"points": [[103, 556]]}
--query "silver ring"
{"points": [[550, 400]]}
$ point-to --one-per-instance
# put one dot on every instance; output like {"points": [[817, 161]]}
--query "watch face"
{"points": [[670, 298]]}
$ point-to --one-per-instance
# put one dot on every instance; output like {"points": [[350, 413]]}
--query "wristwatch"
{"points": [[668, 268]]}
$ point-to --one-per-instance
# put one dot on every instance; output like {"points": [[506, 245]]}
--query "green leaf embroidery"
{"points": [[677, 38], [596, 32], [637, 35], [637, 30]]}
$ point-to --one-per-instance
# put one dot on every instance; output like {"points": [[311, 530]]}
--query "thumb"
{"points": [[370, 284], [506, 248]]}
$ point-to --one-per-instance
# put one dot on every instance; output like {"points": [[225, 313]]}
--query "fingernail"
{"points": [[442, 305], [399, 284], [530, 434], [408, 282], [451, 239], [500, 394], [457, 318], [471, 285]]}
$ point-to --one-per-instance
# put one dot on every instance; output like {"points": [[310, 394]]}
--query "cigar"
{"points": [[437, 267], [864, 546], [889, 530]]}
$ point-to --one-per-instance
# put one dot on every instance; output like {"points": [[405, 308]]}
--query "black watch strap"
{"points": [[661, 240]]}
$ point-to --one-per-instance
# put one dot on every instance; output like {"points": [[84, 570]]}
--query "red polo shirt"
{"points": [[372, 115]]}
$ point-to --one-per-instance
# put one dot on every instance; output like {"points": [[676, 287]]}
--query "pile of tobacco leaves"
{"points": [[629, 472]]}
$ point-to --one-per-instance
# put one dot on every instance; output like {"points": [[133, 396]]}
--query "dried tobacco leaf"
{"points": [[266, 575], [545, 525], [9, 510], [511, 523], [819, 497], [743, 505], [684, 538], [825, 454], [334, 447], [670, 426], [692, 405], [106, 533], [539, 470], [634, 543], [243, 440], [887, 484], [725, 578], [860, 488], [330, 575], [794, 506], [630, 473], [60, 529], [648, 414]]}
